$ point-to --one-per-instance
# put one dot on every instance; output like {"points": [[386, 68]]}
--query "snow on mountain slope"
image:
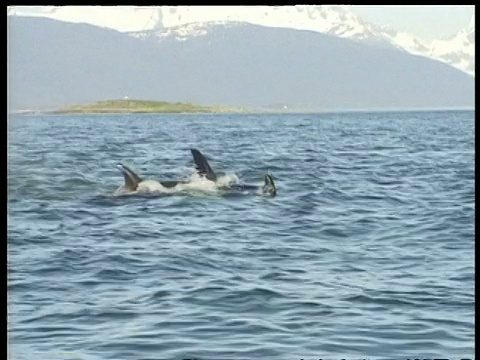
{"points": [[183, 32], [183, 21], [121, 18], [336, 20], [179, 22], [301, 17], [458, 51]]}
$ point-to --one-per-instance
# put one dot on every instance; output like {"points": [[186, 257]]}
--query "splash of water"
{"points": [[227, 180], [200, 183], [150, 186], [195, 183]]}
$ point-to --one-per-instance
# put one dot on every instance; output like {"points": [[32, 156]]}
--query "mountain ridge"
{"points": [[338, 20], [54, 63]]}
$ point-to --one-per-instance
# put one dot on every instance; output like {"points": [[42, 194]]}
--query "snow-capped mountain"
{"points": [[121, 18], [459, 50], [53, 63], [180, 22], [339, 20]]}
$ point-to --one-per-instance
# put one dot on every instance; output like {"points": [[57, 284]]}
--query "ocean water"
{"points": [[367, 252]]}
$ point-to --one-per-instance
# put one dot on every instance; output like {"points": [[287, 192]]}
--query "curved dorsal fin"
{"points": [[131, 179], [269, 186], [202, 165]]}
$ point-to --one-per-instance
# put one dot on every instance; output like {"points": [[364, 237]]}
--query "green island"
{"points": [[143, 106]]}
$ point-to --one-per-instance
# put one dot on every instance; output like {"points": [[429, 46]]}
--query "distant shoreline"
{"points": [[126, 106]]}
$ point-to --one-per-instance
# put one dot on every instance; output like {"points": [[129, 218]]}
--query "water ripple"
{"points": [[366, 252]]}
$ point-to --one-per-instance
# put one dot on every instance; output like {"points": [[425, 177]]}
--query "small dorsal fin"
{"points": [[131, 179], [202, 165], [269, 186]]}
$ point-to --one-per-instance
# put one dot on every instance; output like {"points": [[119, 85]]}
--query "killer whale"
{"points": [[134, 184], [204, 169]]}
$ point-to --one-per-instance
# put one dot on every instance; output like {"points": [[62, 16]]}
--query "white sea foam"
{"points": [[194, 183], [227, 179], [200, 183], [150, 186]]}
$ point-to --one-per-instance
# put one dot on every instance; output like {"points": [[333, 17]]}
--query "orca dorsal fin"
{"points": [[131, 179], [269, 186], [202, 165]]}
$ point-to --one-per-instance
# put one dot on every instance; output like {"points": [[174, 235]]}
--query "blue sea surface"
{"points": [[367, 252]]}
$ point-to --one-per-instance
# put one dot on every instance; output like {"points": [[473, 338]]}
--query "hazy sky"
{"points": [[425, 21], [428, 22]]}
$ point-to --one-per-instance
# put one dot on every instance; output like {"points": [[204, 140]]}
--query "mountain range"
{"points": [[54, 63], [339, 20]]}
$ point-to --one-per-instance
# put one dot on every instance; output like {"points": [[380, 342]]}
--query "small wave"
{"points": [[117, 274], [369, 250]]}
